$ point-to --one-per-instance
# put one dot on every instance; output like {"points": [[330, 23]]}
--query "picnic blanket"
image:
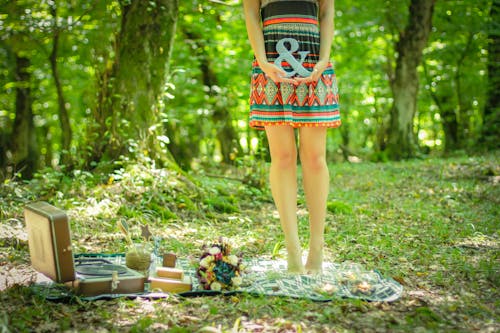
{"points": [[270, 278]]}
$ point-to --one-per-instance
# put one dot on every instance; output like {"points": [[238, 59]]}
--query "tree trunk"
{"points": [[66, 132], [443, 98], [226, 135], [449, 122], [126, 115], [181, 147], [401, 139], [3, 153], [491, 117], [23, 155], [464, 111], [346, 140]]}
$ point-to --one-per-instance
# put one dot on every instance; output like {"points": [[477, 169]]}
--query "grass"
{"points": [[433, 225]]}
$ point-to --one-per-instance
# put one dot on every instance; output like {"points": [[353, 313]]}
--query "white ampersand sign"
{"points": [[286, 54]]}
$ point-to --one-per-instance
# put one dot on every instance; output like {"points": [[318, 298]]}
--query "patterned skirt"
{"points": [[291, 35]]}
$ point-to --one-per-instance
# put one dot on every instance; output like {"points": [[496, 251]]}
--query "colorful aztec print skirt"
{"points": [[291, 35]]}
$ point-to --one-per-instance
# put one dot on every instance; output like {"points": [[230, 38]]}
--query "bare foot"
{"points": [[314, 264], [295, 268], [295, 265]]}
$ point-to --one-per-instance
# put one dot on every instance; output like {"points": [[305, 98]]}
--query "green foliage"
{"points": [[222, 204], [212, 35], [455, 76], [337, 207], [86, 31]]}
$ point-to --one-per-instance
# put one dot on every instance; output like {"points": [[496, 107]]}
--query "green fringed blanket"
{"points": [[270, 278], [346, 280]]}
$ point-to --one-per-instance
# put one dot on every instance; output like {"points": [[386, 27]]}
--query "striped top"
{"points": [[264, 3]]}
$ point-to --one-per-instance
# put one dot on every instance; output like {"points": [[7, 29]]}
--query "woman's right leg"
{"points": [[283, 179]]}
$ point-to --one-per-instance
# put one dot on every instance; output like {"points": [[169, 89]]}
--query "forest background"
{"points": [[137, 111], [88, 83]]}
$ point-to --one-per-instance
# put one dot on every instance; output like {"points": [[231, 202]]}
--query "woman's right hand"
{"points": [[276, 74]]}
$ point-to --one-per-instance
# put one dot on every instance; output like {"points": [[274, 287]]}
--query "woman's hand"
{"points": [[318, 69], [276, 74]]}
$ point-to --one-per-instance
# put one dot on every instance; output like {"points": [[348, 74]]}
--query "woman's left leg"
{"points": [[316, 181]]}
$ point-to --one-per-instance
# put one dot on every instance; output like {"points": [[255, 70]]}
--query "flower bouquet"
{"points": [[218, 269]]}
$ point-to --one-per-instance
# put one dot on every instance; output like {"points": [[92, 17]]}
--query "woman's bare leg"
{"points": [[316, 180], [283, 179]]}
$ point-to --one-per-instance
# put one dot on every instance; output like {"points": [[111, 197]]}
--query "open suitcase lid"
{"points": [[49, 241]]}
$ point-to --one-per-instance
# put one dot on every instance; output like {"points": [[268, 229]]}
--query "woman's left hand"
{"points": [[318, 69]]}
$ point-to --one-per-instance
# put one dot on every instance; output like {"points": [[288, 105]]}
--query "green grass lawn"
{"points": [[432, 225]]}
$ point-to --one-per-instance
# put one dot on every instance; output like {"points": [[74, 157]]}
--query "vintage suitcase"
{"points": [[49, 242], [99, 276]]}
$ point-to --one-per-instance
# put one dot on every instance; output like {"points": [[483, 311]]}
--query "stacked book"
{"points": [[170, 279]]}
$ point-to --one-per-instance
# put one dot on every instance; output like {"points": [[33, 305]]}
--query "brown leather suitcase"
{"points": [[98, 276], [49, 242]]}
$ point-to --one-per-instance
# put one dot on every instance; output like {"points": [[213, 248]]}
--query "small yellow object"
{"points": [[114, 281], [168, 272], [170, 285]]}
